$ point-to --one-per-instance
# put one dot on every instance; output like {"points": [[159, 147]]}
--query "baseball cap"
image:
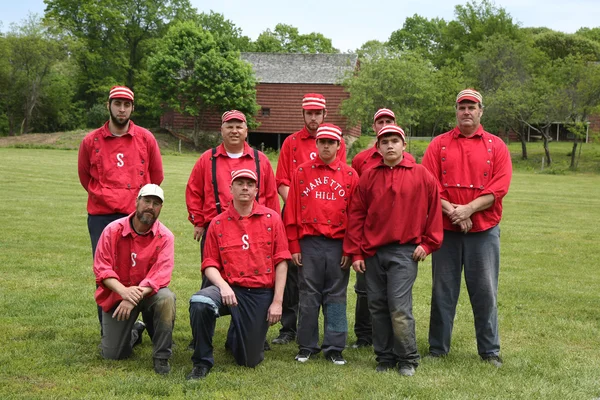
{"points": [[120, 92], [243, 173], [313, 101], [384, 112], [233, 114], [329, 131], [151, 189], [391, 129], [469, 95]]}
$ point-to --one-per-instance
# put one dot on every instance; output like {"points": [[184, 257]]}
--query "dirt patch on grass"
{"points": [[31, 138]]}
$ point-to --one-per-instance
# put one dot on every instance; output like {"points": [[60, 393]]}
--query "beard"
{"points": [[119, 123], [146, 218]]}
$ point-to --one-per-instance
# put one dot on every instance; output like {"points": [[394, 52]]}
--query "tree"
{"points": [[224, 31], [423, 36], [194, 76], [558, 45], [287, 39]]}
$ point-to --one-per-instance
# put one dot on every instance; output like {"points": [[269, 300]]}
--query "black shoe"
{"points": [[283, 339], [335, 357], [360, 343], [496, 361], [406, 370], [191, 346], [385, 366], [435, 355], [136, 332], [198, 373], [161, 366], [303, 355], [266, 346]]}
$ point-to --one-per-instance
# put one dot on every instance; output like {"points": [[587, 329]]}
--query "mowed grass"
{"points": [[548, 304]]}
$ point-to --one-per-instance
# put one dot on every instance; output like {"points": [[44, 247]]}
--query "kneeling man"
{"points": [[245, 259]]}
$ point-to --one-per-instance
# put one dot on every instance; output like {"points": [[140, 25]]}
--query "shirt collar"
{"points": [[478, 133], [304, 134], [130, 130], [234, 214], [332, 166], [405, 163], [128, 230], [247, 151]]}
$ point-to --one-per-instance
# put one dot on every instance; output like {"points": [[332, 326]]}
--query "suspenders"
{"points": [[214, 176]]}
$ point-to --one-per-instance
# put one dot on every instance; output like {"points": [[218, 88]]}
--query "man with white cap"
{"points": [[133, 266], [245, 259], [316, 217], [114, 162], [387, 246], [473, 169], [296, 149]]}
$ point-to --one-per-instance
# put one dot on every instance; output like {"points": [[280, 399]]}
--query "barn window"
{"points": [[265, 112]]}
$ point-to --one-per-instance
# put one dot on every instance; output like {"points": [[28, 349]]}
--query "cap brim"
{"points": [[468, 98]]}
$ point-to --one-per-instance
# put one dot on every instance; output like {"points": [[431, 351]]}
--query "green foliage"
{"points": [[559, 45], [224, 31], [287, 39], [97, 116]]}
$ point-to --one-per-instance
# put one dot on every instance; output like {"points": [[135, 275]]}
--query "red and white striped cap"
{"points": [[384, 112], [329, 131], [243, 173], [469, 95], [313, 101], [120, 92], [391, 129], [233, 114]]}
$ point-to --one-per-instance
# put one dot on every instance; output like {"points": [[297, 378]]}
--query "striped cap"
{"points": [[391, 129], [243, 173], [329, 131], [384, 112], [120, 92], [233, 114], [313, 101], [469, 95]]}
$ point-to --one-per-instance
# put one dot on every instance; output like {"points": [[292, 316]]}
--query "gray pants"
{"points": [[322, 282], [390, 274], [479, 254], [158, 312]]}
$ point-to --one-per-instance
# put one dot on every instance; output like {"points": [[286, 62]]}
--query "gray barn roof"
{"points": [[300, 68]]}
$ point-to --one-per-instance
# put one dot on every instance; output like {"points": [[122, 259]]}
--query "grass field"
{"points": [[548, 303]]}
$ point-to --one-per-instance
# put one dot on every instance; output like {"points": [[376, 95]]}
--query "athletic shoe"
{"points": [[136, 333], [360, 343], [496, 361], [283, 339], [335, 357], [303, 355], [385, 366], [198, 373], [406, 370], [161, 366], [435, 355]]}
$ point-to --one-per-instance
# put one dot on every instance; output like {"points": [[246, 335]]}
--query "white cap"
{"points": [[152, 190]]}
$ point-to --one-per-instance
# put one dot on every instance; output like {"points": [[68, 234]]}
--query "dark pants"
{"points": [[158, 312], [363, 329], [479, 254], [390, 275], [322, 282], [96, 224], [248, 329], [289, 314]]}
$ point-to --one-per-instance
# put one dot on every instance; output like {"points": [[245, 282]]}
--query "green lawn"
{"points": [[548, 303]]}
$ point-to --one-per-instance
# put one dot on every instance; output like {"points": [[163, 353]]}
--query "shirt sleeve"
{"points": [[357, 215], [434, 228], [282, 174], [155, 167], [83, 164], [104, 261], [212, 255], [268, 182], [290, 217], [280, 250], [353, 187], [431, 161], [501, 173], [194, 193], [159, 275]]}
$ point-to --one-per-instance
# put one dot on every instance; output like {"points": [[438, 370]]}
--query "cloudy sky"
{"points": [[349, 26]]}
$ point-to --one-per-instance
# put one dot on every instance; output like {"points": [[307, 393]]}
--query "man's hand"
{"points": [[123, 310], [460, 213], [274, 313], [466, 225], [198, 232], [419, 254], [346, 262], [228, 296], [133, 294], [297, 259], [359, 266]]}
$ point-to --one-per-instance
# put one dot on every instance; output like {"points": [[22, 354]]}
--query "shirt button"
{"points": [[481, 187], [242, 273], [294, 160], [328, 221], [443, 147], [490, 140], [268, 242], [343, 211], [312, 166], [97, 150], [303, 220], [315, 220], [218, 222], [489, 150], [445, 184], [268, 257], [269, 229], [470, 185], [485, 174], [142, 161], [304, 207], [294, 149], [444, 172], [347, 186], [488, 161], [224, 262], [458, 185], [301, 182], [128, 186], [268, 215], [255, 272], [268, 269], [339, 168], [443, 158], [220, 234], [141, 172], [95, 139], [228, 218], [300, 169], [349, 172], [221, 248], [229, 274]]}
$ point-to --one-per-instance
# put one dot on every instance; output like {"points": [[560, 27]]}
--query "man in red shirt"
{"points": [[387, 245], [133, 267], [316, 219], [364, 160], [473, 169], [296, 149], [245, 259], [114, 162]]}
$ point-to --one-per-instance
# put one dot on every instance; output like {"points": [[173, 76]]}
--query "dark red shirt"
{"points": [[467, 168], [132, 259], [113, 169], [371, 157], [297, 149], [200, 194], [397, 204], [246, 250], [318, 201]]}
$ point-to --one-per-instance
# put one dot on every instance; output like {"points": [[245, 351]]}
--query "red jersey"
{"points": [[399, 204], [297, 149], [132, 259], [247, 249], [318, 201], [200, 194], [371, 157], [467, 168], [113, 169]]}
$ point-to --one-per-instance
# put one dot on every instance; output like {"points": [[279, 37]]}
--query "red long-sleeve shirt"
{"points": [[397, 204], [371, 157], [113, 169], [467, 168], [132, 259], [200, 194], [318, 201], [297, 149], [247, 249]]}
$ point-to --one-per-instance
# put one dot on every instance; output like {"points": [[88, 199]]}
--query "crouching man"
{"points": [[133, 266], [245, 258]]}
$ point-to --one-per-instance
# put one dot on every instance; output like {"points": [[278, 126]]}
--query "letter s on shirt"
{"points": [[133, 257], [246, 245], [120, 162]]}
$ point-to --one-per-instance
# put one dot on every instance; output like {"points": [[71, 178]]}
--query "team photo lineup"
{"points": [[279, 247]]}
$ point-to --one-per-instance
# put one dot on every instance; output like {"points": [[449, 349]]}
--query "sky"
{"points": [[350, 24]]}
